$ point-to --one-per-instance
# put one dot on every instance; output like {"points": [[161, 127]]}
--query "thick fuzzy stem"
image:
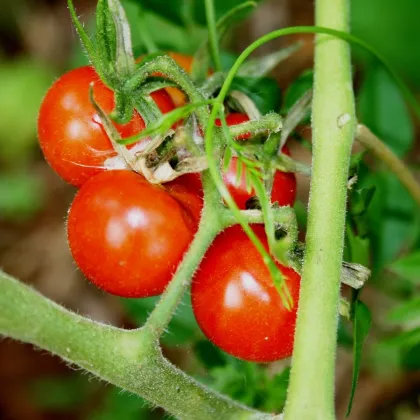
{"points": [[394, 163], [211, 224], [125, 358], [311, 390]]}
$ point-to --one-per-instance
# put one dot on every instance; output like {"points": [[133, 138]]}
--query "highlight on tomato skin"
{"points": [[70, 132], [236, 303], [128, 236]]}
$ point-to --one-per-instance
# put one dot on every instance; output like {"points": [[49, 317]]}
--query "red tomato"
{"points": [[128, 236], [70, 133], [284, 184], [236, 303]]}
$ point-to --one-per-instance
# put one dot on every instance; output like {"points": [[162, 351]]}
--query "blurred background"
{"points": [[37, 44]]}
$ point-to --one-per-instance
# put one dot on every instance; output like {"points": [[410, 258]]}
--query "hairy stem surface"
{"points": [[311, 390], [125, 358]]}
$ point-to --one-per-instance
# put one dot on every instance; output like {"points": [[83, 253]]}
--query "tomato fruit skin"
{"points": [[128, 236], [70, 132], [236, 303], [284, 183]]}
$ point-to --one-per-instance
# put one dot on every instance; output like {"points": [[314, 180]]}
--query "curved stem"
{"points": [[311, 389], [213, 38], [269, 123], [166, 66], [395, 164], [293, 30], [125, 358], [284, 216], [211, 224]]}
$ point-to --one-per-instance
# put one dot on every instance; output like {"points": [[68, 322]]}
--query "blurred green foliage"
{"points": [[187, 13], [381, 107], [23, 83], [383, 229], [392, 28]]}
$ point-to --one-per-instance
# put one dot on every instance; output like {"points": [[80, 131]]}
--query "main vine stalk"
{"points": [[311, 389]]}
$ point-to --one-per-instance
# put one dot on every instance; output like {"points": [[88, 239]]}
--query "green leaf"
{"points": [[262, 66], [202, 56], [361, 325], [221, 7], [182, 329], [85, 40], [358, 248], [264, 92], [392, 216], [167, 36], [124, 51], [391, 28], [276, 392], [301, 214], [239, 381], [408, 267], [165, 122], [173, 10], [405, 339], [106, 36], [227, 158], [405, 313], [297, 89], [382, 108], [358, 226], [344, 333], [410, 359], [180, 12], [209, 355]]}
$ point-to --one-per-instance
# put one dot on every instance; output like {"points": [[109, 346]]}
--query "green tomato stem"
{"points": [[210, 225], [128, 359], [166, 66], [213, 38], [394, 163], [311, 389]]}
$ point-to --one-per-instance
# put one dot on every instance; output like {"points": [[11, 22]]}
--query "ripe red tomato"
{"points": [[236, 303], [70, 133], [128, 236], [284, 184]]}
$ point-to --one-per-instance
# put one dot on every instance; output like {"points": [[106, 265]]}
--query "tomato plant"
{"points": [[128, 236], [70, 133], [236, 303], [167, 225]]}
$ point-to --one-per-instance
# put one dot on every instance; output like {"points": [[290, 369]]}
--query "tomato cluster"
{"points": [[128, 236]]}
